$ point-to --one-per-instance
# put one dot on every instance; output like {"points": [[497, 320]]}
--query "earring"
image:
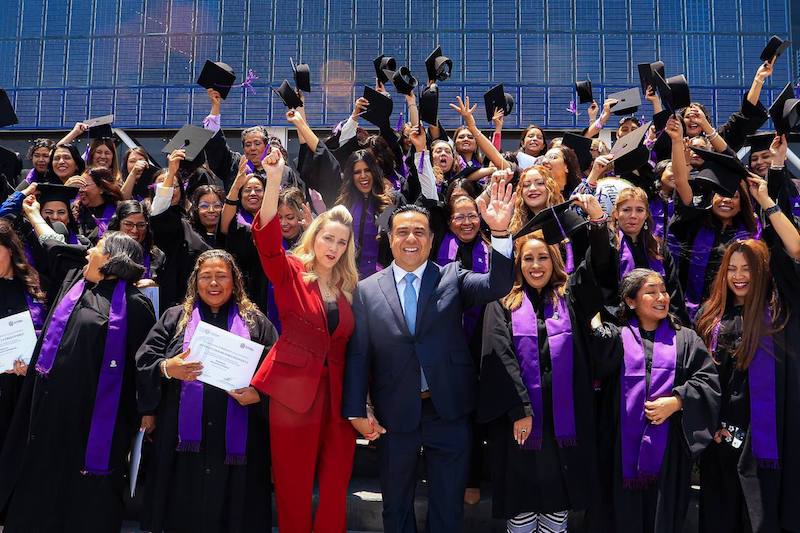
{"points": [[645, 225]]}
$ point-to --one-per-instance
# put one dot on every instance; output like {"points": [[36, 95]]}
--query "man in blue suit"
{"points": [[409, 353]]}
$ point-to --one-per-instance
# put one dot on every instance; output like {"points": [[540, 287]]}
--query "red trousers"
{"points": [[319, 442]]}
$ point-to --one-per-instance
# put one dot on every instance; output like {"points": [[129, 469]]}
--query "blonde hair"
{"points": [[247, 309], [557, 285], [521, 212], [345, 274]]}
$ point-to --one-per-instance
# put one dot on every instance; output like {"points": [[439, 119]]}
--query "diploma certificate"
{"points": [[17, 340], [229, 361]]}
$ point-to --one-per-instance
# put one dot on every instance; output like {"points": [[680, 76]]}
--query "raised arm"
{"points": [[764, 71], [77, 130], [463, 108], [273, 164], [786, 231], [422, 164], [133, 177], [680, 169], [304, 131], [599, 124], [232, 198], [717, 141]]}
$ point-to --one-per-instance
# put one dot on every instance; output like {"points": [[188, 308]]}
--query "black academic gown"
{"points": [[87, 223], [181, 245], [662, 507], [198, 492], [12, 301], [41, 485], [735, 494]]}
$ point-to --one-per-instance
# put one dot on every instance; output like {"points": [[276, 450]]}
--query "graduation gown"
{"points": [[198, 492], [661, 507], [41, 485], [734, 490], [12, 301]]}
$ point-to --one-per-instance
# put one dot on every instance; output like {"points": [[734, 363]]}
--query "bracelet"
{"points": [[713, 135], [164, 369], [412, 105], [599, 222], [771, 210], [758, 81], [502, 235], [776, 167], [228, 201]]}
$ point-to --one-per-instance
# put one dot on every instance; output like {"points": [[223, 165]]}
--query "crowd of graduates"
{"points": [[645, 329]]}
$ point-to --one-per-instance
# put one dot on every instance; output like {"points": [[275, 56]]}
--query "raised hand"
{"points": [[590, 205], [674, 129], [417, 137], [499, 208], [463, 108], [274, 164], [778, 149], [216, 100], [359, 107], [498, 118]]}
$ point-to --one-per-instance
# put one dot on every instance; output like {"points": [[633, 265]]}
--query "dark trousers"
{"points": [[446, 446]]}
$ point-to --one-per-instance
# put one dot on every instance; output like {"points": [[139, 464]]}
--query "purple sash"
{"points": [[146, 260], [32, 176], [795, 205], [559, 337], [190, 410], [37, 310], [626, 261], [448, 252], [761, 381], [366, 234], [244, 218], [112, 369], [643, 443], [569, 260], [251, 167], [657, 212], [103, 220]]}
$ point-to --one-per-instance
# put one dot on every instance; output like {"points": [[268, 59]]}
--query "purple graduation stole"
{"points": [[366, 239], [699, 255], [761, 382], [38, 312], [448, 252], [643, 443], [190, 409], [146, 260], [32, 176], [103, 220], [243, 217], [657, 212], [626, 261], [795, 205], [112, 369], [559, 336]]}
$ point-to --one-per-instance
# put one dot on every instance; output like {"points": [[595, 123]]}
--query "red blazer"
{"points": [[291, 371]]}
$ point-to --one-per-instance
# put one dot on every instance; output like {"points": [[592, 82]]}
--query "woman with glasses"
{"points": [[132, 218], [98, 194], [204, 212]]}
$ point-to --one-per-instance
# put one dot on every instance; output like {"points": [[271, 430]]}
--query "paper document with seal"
{"points": [[229, 361]]}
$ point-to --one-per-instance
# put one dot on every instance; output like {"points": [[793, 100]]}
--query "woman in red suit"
{"points": [[303, 372]]}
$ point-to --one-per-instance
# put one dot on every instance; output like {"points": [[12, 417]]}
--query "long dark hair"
{"points": [[80, 164], [525, 134], [194, 210], [574, 172], [108, 143], [19, 263], [629, 287], [124, 210], [348, 193]]}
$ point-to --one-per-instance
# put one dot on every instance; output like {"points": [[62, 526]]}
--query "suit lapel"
{"points": [[389, 289], [430, 278]]}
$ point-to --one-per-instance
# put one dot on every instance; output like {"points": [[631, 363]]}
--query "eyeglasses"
{"points": [[460, 219], [139, 226], [203, 206], [252, 190]]}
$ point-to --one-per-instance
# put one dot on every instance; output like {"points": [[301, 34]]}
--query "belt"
{"points": [[425, 394]]}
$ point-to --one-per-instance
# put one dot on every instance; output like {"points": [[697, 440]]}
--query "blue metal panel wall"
{"points": [[64, 60]]}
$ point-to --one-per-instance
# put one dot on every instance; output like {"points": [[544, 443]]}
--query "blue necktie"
{"points": [[410, 310]]}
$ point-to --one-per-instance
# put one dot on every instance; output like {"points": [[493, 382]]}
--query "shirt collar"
{"points": [[400, 273]]}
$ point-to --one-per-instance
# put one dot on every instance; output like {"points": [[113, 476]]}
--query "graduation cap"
{"points": [[8, 117], [10, 168], [556, 222], [193, 140], [50, 192], [218, 76], [438, 66], [628, 101], [429, 104], [760, 141], [775, 47], [784, 111], [496, 98], [379, 110], [629, 151], [403, 81], [673, 91], [302, 76], [721, 171], [647, 72], [140, 188], [383, 63], [100, 127], [582, 147], [288, 95], [584, 90]]}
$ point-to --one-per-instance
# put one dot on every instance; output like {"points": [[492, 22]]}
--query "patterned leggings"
{"points": [[538, 523]]}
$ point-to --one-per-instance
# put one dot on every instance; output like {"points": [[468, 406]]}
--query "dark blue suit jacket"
{"points": [[384, 358]]}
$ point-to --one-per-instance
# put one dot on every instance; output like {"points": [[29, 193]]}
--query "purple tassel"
{"points": [[797, 90], [572, 108], [400, 123], [247, 84]]}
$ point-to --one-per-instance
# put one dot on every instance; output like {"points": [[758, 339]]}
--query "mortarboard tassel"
{"points": [[572, 108]]}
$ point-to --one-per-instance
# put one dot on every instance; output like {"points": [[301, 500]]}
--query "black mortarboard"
{"points": [[140, 189], [100, 127], [629, 151], [775, 47], [288, 95], [429, 104], [647, 72], [628, 101], [10, 168], [191, 139], [582, 147], [379, 110], [721, 171], [662, 147], [7, 115], [660, 119], [557, 223], [302, 76], [674, 91], [784, 110], [50, 192], [495, 98], [404, 81], [760, 141], [218, 76], [381, 64], [584, 90], [438, 66]]}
